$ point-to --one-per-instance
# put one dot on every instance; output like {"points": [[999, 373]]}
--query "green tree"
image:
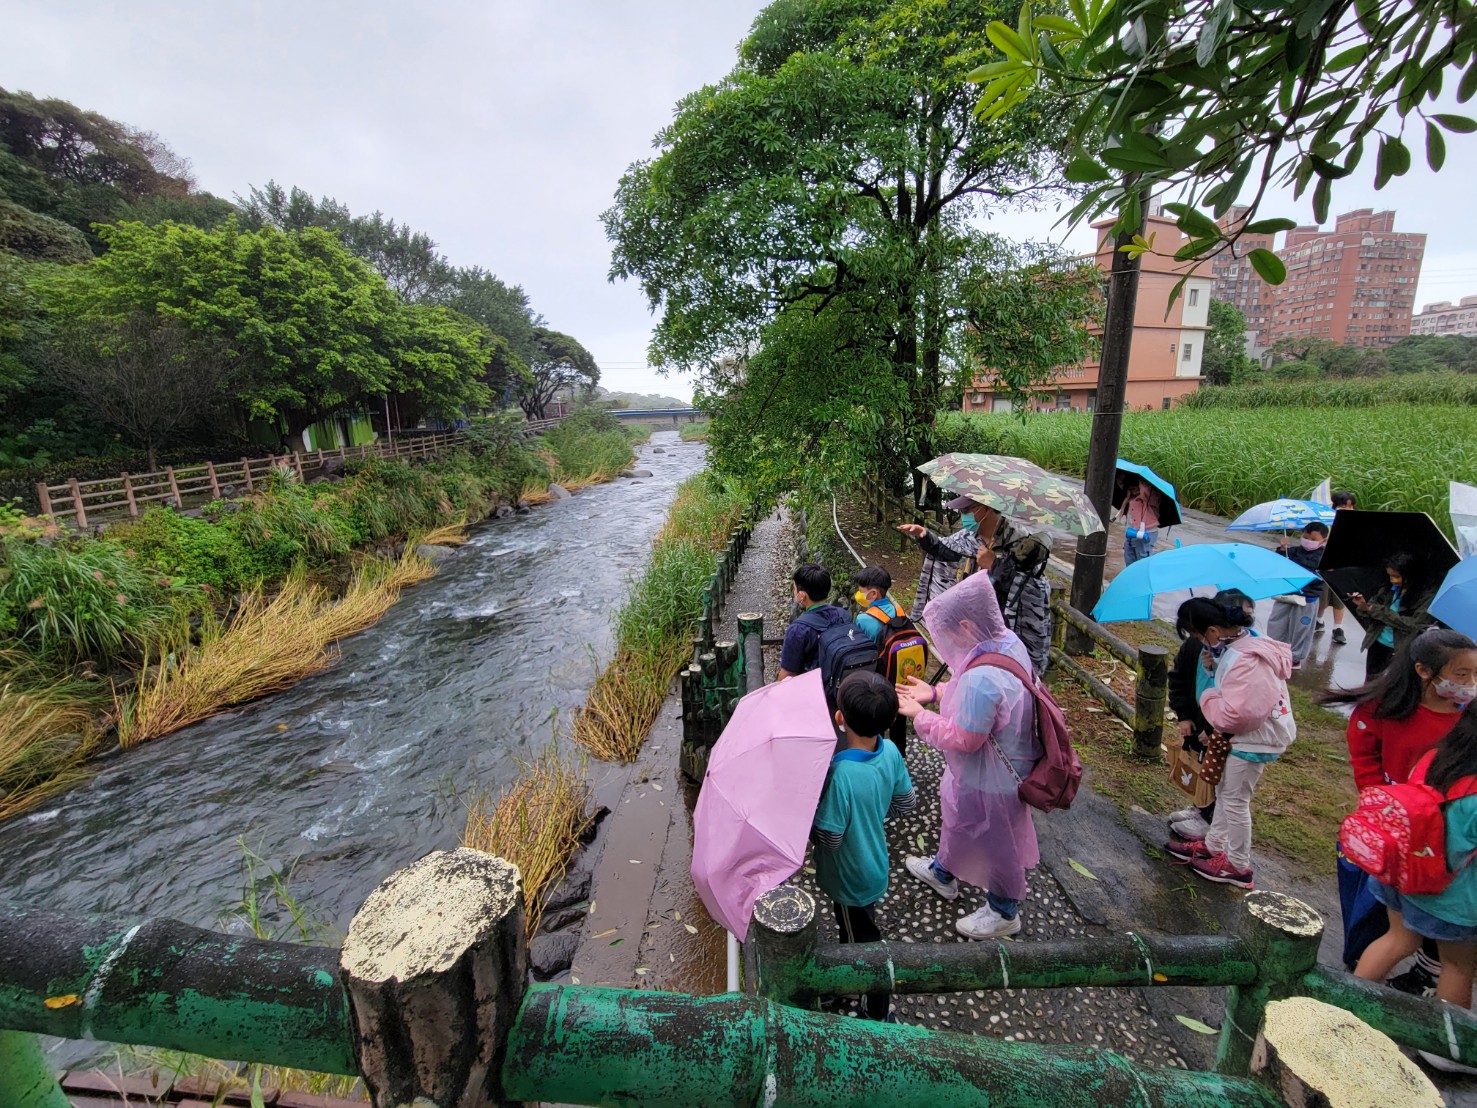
{"points": [[1218, 101], [559, 362], [1225, 361], [839, 165], [501, 308]]}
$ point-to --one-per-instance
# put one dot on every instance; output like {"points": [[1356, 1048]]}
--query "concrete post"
{"points": [[780, 947], [1281, 934], [435, 967], [26, 1078]]}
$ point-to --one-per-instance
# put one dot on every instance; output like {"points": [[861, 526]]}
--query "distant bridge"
{"points": [[659, 417]]}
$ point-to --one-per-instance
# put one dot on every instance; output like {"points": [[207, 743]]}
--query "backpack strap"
{"points": [[1008, 664], [813, 624], [1464, 786]]}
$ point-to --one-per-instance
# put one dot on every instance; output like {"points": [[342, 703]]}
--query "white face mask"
{"points": [[1458, 694]]}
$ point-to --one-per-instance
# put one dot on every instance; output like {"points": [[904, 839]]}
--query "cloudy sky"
{"points": [[498, 128]]}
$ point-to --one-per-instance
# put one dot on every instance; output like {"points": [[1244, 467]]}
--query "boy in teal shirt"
{"points": [[867, 785]]}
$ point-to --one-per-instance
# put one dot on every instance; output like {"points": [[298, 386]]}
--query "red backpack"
{"points": [[1053, 782], [1397, 834]]}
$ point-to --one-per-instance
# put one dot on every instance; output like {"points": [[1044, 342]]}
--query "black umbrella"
{"points": [[1360, 545]]}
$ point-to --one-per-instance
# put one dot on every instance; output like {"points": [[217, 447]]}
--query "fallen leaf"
{"points": [[605, 934], [677, 916], [635, 861], [640, 970], [652, 926], [592, 907], [1160, 977], [617, 942], [574, 980], [1196, 1025], [655, 786], [920, 842], [690, 928], [671, 957], [1080, 868], [809, 869], [62, 1001]]}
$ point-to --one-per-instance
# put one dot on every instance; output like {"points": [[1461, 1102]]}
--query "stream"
{"points": [[361, 769]]}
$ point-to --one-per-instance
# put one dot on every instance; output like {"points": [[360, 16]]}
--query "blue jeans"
{"points": [[1135, 548], [1005, 907]]}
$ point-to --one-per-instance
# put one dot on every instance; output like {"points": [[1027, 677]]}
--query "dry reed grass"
{"points": [[535, 491], [268, 645], [45, 740], [625, 700], [450, 534], [535, 823]]}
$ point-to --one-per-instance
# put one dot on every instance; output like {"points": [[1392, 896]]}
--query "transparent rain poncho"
{"points": [[987, 838]]}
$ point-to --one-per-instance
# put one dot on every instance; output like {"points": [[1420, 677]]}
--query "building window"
{"points": [[1171, 348], [1092, 400], [1194, 297], [1189, 349], [1166, 403]]}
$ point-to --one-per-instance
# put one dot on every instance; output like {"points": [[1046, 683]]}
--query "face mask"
{"points": [[1312, 544], [860, 597], [1220, 648], [1459, 694], [970, 524]]}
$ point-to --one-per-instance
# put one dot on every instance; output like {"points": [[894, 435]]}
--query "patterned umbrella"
{"points": [[1017, 489], [1285, 514]]}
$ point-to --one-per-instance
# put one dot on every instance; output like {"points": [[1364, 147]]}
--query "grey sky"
{"points": [[498, 128]]}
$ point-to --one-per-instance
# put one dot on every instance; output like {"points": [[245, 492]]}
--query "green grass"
{"points": [[1223, 460], [695, 432], [1351, 392], [587, 448]]}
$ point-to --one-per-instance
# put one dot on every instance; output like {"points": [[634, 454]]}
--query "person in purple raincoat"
{"points": [[984, 715]]}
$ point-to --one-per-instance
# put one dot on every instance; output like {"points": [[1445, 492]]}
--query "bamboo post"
{"points": [[1282, 935], [215, 485], [780, 946], [128, 495], [1151, 693], [26, 1077], [435, 967], [173, 487], [246, 473], [43, 498], [77, 507]]}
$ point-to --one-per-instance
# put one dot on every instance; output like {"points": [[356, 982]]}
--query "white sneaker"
{"points": [[987, 924], [1182, 815], [1193, 829], [922, 868], [1446, 1065]]}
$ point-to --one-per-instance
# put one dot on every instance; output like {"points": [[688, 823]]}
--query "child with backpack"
{"points": [[1431, 853], [1248, 709], [867, 785], [902, 649], [800, 652]]}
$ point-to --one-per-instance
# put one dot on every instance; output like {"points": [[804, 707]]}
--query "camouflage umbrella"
{"points": [[1017, 489]]}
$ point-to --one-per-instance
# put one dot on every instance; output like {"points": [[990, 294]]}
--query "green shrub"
{"points": [[583, 454], [199, 551]]}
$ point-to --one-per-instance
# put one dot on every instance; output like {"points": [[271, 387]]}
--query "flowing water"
{"points": [[353, 773]]}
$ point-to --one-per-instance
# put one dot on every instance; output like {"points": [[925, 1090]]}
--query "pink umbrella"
{"points": [[764, 781]]}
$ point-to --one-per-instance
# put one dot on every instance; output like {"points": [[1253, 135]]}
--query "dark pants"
{"points": [[859, 925], [1376, 659], [899, 735]]}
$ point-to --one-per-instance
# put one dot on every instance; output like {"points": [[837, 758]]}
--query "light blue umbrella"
{"points": [[1456, 600], [1169, 511], [1284, 514], [1256, 571]]}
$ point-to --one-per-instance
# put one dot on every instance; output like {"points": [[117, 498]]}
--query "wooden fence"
{"points": [[82, 502]]}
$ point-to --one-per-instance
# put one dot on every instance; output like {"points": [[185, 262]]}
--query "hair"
{"points": [[873, 577], [1456, 755], [814, 580], [1412, 573], [1234, 598], [1317, 528], [1200, 613], [1396, 692], [1342, 498], [868, 703]]}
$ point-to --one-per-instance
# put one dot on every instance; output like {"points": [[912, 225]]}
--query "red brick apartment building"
{"points": [[1236, 282], [1168, 340], [1354, 284]]}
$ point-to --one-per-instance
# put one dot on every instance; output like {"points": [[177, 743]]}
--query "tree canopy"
{"points": [[1225, 361], [559, 362], [825, 200]]}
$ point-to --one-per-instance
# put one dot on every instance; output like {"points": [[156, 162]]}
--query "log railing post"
{"points": [[435, 968], [173, 487], [751, 634], [77, 506], [43, 498], [128, 496], [1281, 934], [1151, 693], [780, 946], [215, 485], [27, 1079], [297, 464], [246, 473]]}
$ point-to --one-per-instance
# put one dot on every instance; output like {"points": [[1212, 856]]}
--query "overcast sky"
{"points": [[500, 129]]}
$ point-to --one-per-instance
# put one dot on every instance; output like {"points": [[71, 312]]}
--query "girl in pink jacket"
{"points": [[1247, 702]]}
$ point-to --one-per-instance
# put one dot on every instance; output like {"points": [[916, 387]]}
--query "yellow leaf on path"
{"points": [[1080, 868], [62, 1001], [603, 934], [640, 969], [677, 916], [690, 928], [1196, 1025]]}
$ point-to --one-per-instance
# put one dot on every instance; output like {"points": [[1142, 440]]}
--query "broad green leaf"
{"points": [[1268, 265], [1121, 157], [1211, 31], [1392, 161], [1194, 248], [1468, 84], [1326, 168], [1007, 41], [1271, 226], [1198, 224], [1085, 171], [1322, 197], [1057, 25], [1080, 868], [1197, 1026], [1435, 147], [1347, 59], [1460, 124]]}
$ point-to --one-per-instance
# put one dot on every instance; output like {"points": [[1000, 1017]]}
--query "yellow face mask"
{"points": [[860, 597]]}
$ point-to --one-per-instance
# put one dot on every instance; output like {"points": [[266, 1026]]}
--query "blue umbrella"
{"points": [[1285, 514], [1169, 511], [1256, 571], [1456, 600]]}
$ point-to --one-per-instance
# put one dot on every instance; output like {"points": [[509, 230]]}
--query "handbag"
{"points": [[1213, 761], [1185, 772]]}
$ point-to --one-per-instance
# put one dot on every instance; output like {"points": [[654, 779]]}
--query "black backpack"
{"points": [[844, 649]]}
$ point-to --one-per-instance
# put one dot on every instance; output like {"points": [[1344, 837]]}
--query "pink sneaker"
{"points": [[1218, 867], [1183, 853]]}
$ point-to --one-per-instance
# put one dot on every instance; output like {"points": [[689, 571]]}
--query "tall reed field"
{"points": [[1348, 392], [1223, 460], [655, 624]]}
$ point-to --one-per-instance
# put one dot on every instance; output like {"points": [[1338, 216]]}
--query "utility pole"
{"points": [[1107, 421]]}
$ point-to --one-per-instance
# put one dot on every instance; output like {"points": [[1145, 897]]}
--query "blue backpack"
{"points": [[844, 649]]}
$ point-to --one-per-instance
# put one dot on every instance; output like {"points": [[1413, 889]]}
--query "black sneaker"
{"points": [[1338, 637], [1417, 981]]}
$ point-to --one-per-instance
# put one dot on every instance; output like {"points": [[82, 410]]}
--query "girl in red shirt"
{"points": [[1404, 712]]}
